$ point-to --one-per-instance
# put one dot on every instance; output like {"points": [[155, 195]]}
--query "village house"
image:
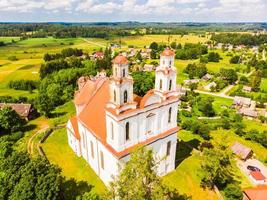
{"points": [[149, 68], [248, 112], [191, 81], [98, 55], [242, 151], [242, 102], [111, 120], [25, 111], [210, 86], [247, 89], [207, 77], [257, 177], [258, 193]]}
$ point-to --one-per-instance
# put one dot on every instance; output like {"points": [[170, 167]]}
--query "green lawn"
{"points": [[58, 152], [264, 85]]}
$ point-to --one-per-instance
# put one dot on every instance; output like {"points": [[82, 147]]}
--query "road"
{"points": [[94, 43]]}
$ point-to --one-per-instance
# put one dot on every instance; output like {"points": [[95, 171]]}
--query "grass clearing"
{"points": [[263, 85], [58, 152]]}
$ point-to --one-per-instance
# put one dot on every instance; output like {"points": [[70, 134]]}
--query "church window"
{"points": [[170, 63], [112, 131], [160, 84], [170, 85], [92, 149], [127, 131], [114, 95], [125, 95], [170, 115], [123, 73], [84, 139], [168, 151], [102, 160]]}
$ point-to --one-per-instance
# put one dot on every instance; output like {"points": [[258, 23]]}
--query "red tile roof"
{"points": [[257, 175], [120, 59], [167, 52], [258, 193], [74, 124], [88, 90]]}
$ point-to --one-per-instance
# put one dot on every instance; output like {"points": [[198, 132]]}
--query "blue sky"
{"points": [[134, 10]]}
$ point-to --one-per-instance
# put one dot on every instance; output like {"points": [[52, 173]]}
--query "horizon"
{"points": [[133, 10]]}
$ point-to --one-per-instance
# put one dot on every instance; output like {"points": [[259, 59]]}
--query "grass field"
{"points": [[146, 40], [58, 152]]}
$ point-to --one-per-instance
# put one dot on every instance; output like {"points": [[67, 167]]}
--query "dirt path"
{"points": [[30, 144], [94, 43]]}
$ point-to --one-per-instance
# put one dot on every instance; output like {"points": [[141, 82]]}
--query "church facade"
{"points": [[111, 120]]}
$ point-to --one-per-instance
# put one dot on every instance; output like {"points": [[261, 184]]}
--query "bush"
{"points": [[235, 60], [233, 192], [213, 57], [23, 85], [12, 58]]}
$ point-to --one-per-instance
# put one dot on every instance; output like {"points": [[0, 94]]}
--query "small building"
{"points": [[98, 55], [149, 68], [181, 90], [258, 178], [242, 151], [247, 88], [210, 86], [258, 193], [242, 101], [248, 112], [191, 81], [25, 111], [207, 77]]}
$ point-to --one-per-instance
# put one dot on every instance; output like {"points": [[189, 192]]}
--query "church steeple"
{"points": [[121, 85], [165, 82]]}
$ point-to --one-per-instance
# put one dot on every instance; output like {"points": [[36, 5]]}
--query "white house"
{"points": [[111, 121]]}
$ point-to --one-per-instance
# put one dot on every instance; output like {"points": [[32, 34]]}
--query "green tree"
{"points": [[216, 167], [235, 60], [213, 57], [10, 120], [154, 46], [143, 82], [206, 107], [138, 180], [233, 192]]}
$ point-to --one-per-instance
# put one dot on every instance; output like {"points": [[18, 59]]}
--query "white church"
{"points": [[111, 120]]}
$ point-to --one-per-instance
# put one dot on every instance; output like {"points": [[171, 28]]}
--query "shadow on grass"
{"points": [[29, 127], [71, 188], [184, 150], [57, 114]]}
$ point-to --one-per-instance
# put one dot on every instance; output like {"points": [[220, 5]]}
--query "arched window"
{"points": [[112, 130], [160, 84], [170, 85], [170, 63], [127, 131], [123, 73], [114, 95], [170, 115], [125, 95]]}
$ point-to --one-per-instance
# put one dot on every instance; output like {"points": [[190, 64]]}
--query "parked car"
{"points": [[253, 168]]}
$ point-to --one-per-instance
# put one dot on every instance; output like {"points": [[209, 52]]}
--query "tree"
{"points": [[243, 80], [10, 120], [205, 106], [233, 192], [213, 57], [154, 46], [235, 60], [216, 167], [229, 74], [43, 104], [143, 82], [138, 180], [24, 178]]}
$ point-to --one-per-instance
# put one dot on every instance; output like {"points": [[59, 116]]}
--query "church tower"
{"points": [[121, 86], [165, 83]]}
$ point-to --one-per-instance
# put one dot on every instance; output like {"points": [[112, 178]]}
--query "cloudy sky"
{"points": [[134, 10]]}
